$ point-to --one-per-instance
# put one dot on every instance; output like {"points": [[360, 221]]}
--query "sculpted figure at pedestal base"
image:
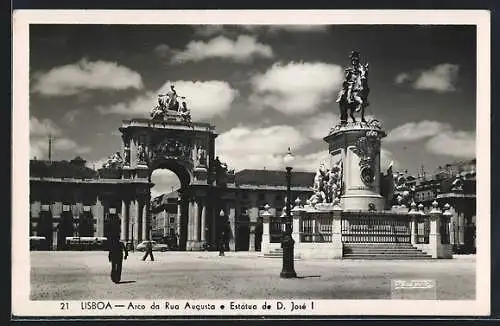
{"points": [[327, 184]]}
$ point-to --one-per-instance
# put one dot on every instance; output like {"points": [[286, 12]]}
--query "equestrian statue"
{"points": [[353, 97]]}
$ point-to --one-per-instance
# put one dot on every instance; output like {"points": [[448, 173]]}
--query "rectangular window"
{"points": [[172, 220], [172, 231]]}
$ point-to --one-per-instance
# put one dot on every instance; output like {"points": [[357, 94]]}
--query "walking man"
{"points": [[117, 253], [149, 251]]}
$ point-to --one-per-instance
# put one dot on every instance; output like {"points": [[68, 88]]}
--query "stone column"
{"points": [[179, 219], [337, 246], [190, 232], [204, 222], [98, 213], [196, 222], [137, 210], [144, 222], [461, 227], [232, 222], [251, 245], [123, 221]]}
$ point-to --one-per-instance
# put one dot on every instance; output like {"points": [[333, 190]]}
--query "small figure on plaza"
{"points": [[353, 96], [148, 251], [117, 253]]}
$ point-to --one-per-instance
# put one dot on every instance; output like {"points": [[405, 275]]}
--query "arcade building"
{"points": [[68, 199]]}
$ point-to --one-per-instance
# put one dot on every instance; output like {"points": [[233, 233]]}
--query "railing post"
{"points": [[434, 235], [266, 239], [414, 230], [337, 232], [296, 226], [413, 220]]}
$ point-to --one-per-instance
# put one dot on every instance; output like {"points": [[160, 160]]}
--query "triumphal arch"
{"points": [[169, 140]]}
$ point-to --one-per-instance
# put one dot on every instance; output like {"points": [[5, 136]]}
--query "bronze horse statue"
{"points": [[355, 99]]}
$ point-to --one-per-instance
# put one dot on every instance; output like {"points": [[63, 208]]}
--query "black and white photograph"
{"points": [[265, 163]]}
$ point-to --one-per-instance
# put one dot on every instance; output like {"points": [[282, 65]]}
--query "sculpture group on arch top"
{"points": [[170, 108]]}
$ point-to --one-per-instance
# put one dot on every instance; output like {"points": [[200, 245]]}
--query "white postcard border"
{"points": [[22, 306]]}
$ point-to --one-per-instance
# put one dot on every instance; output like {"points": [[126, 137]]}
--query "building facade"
{"points": [[67, 199]]}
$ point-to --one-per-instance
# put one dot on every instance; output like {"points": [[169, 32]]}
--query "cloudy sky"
{"points": [[265, 88]]}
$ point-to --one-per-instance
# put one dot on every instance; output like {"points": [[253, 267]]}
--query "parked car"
{"points": [[156, 246]]}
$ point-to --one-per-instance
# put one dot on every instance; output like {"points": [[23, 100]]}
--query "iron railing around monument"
{"points": [[423, 229], [444, 230], [316, 228], [375, 227], [276, 228]]}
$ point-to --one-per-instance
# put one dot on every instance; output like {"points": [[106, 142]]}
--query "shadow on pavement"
{"points": [[308, 276], [125, 282]]}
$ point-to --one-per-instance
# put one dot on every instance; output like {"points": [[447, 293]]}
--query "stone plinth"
{"points": [[358, 146]]}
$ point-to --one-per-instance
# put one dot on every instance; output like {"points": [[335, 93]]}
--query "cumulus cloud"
{"points": [[39, 142], [318, 126], [416, 130], [386, 157], [85, 75], [311, 162], [205, 99], [243, 49], [460, 144], [43, 128], [246, 147], [442, 139], [296, 87], [441, 78]]}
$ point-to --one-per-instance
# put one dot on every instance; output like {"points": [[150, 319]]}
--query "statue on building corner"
{"points": [[353, 97], [115, 161], [141, 154], [201, 157]]}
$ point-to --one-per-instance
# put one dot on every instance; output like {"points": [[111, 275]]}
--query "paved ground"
{"points": [[204, 275]]}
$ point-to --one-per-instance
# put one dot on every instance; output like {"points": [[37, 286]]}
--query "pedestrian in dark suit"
{"points": [[149, 251], [117, 253]]}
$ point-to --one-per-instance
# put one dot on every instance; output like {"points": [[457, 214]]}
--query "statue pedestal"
{"points": [[358, 146]]}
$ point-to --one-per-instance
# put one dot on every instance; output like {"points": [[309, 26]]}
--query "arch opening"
{"points": [[169, 208]]}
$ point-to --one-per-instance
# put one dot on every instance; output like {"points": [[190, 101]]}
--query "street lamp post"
{"points": [[287, 242]]}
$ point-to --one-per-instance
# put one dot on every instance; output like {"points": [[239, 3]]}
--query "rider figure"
{"points": [[352, 83]]}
